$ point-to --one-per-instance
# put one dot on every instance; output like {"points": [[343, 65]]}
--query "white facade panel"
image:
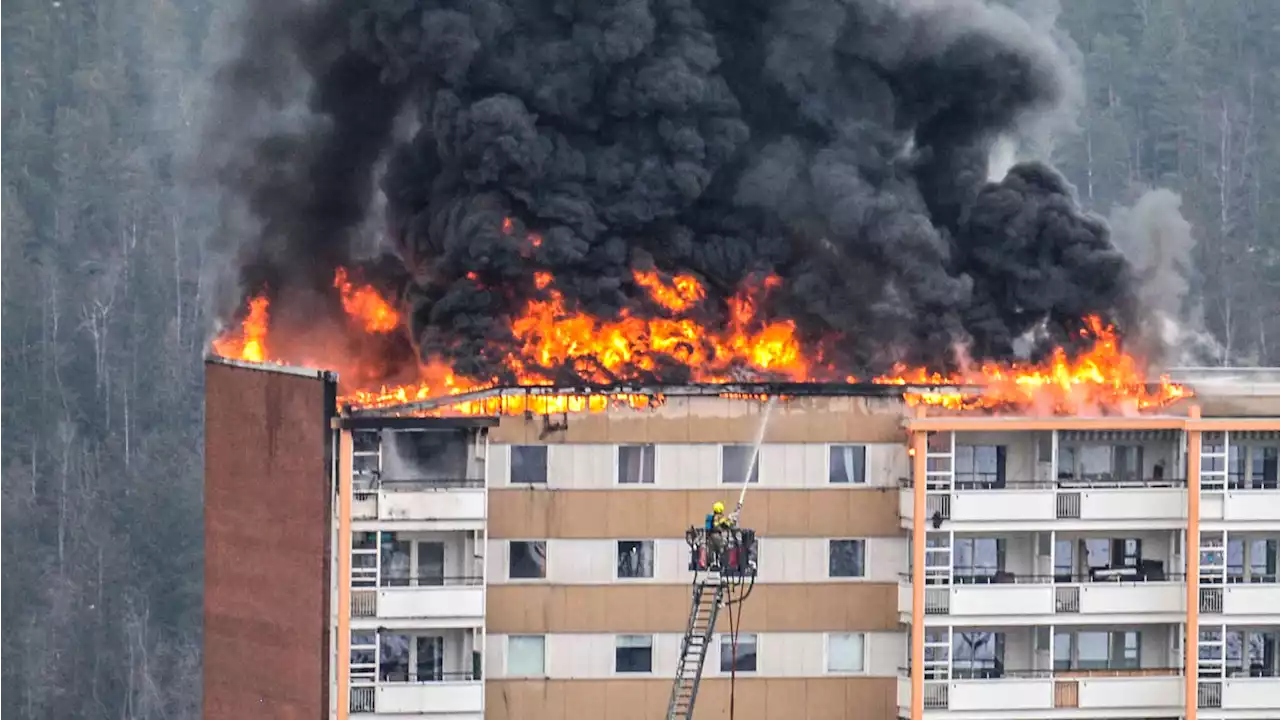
{"points": [[1251, 694], [1005, 694], [1251, 599], [998, 599], [1131, 692], [464, 605], [1102, 598], [433, 699], [1002, 505], [1252, 506], [1138, 504], [687, 466], [448, 505]]}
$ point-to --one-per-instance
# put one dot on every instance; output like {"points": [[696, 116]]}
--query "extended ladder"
{"points": [[708, 597]]}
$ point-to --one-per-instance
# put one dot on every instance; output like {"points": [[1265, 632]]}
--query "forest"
{"points": [[112, 259]]}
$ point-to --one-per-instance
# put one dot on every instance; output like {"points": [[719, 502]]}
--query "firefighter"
{"points": [[719, 526]]}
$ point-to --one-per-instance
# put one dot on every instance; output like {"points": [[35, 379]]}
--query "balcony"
{"points": [[1027, 504], [456, 696], [1240, 506], [434, 576], [1150, 690], [431, 478], [1032, 597], [423, 673]]}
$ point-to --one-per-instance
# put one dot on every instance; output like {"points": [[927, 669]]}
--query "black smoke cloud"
{"points": [[842, 145]]}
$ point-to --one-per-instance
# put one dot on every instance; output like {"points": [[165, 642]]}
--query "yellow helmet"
{"points": [[717, 508]]}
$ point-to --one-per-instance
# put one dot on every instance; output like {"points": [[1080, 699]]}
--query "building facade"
{"points": [[534, 565]]}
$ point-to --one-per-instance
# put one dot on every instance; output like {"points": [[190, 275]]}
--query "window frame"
{"points": [[831, 448], [506, 659], [545, 566], [726, 643], [617, 640], [754, 478], [617, 559], [863, 544], [653, 465], [546, 466], [827, 655]]}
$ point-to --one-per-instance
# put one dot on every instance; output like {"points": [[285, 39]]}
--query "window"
{"points": [[734, 461], [393, 660], [396, 568], [417, 456], [977, 654], [846, 652], [633, 654], [428, 659], [364, 655], [635, 464], [978, 559], [980, 466], [526, 655], [528, 464], [527, 560], [847, 558], [848, 464], [744, 659], [430, 563], [1100, 463], [635, 558], [1098, 650]]}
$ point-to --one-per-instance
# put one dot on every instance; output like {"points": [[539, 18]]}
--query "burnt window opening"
{"points": [[424, 456]]}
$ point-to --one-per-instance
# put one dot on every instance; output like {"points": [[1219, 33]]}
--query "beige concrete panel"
{"points": [[715, 420], [842, 698], [536, 513], [838, 512], [807, 607]]}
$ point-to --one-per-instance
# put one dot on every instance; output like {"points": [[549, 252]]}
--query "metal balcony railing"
{"points": [[389, 580], [1209, 694], [1100, 482], [1211, 600]]}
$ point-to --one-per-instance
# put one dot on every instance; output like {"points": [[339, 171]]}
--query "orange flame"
{"points": [[549, 335], [251, 342], [366, 305]]}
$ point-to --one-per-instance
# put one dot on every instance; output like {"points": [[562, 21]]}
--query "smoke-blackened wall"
{"points": [[841, 145]]}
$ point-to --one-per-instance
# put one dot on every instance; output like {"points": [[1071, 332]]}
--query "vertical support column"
{"points": [[1191, 647], [919, 466], [343, 625]]}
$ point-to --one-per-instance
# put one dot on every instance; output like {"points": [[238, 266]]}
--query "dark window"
{"points": [[430, 563], [528, 560], [529, 465], [735, 459], [635, 558], [424, 456], [848, 464], [741, 658], [980, 466], [429, 663], [635, 464], [978, 560], [634, 654], [848, 558]]}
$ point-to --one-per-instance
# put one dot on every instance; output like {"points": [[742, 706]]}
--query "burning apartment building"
{"points": [[520, 552], [639, 258]]}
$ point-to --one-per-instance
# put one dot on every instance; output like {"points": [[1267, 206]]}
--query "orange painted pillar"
{"points": [[343, 658], [919, 466], [1192, 644]]}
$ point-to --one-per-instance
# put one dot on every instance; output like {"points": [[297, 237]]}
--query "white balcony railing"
{"points": [[455, 696], [446, 601], [1158, 690]]}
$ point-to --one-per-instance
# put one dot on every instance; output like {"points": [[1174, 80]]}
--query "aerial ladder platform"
{"points": [[723, 561]]}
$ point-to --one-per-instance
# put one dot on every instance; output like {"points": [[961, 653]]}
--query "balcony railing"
{"points": [[1066, 684], [364, 691], [1086, 483], [1108, 576], [389, 580], [372, 482]]}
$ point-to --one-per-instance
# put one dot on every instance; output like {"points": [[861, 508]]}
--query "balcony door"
{"points": [[430, 563]]}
